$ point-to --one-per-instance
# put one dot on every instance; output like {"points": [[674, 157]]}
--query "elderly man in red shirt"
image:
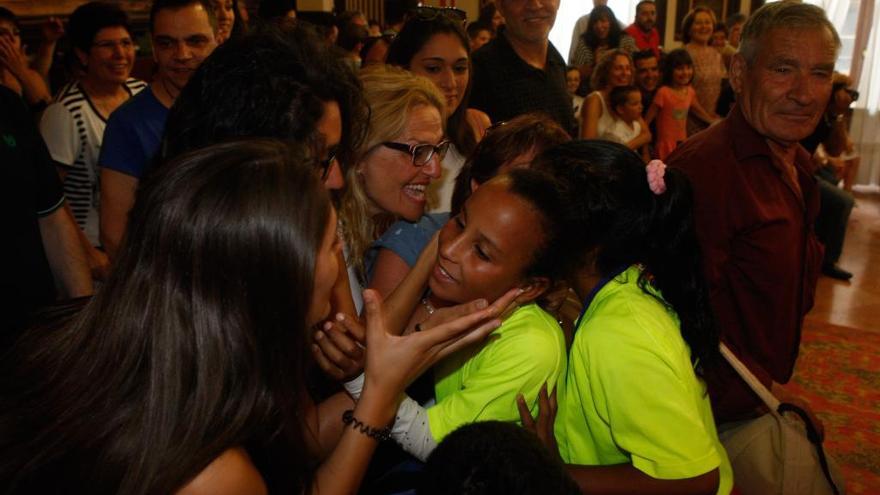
{"points": [[643, 30], [756, 199]]}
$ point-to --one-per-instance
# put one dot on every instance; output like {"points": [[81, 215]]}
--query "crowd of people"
{"points": [[313, 256]]}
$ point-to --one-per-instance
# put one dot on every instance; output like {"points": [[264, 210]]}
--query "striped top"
{"points": [[73, 130]]}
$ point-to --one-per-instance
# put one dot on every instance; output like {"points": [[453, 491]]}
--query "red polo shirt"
{"points": [[645, 41], [761, 256]]}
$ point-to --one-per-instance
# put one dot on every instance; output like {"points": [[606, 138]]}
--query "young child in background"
{"points": [[673, 101], [572, 83], [629, 128]]}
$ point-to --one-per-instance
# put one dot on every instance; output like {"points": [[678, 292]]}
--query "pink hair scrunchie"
{"points": [[656, 169]]}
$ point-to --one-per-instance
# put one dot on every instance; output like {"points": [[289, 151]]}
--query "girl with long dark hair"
{"points": [[185, 372], [634, 416], [434, 44]]}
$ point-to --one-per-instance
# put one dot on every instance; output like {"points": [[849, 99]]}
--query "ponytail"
{"points": [[613, 214]]}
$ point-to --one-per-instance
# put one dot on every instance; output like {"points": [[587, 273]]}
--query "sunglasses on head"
{"points": [[426, 13]]}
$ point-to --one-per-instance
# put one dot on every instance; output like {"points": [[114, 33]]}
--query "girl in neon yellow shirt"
{"points": [[634, 416]]}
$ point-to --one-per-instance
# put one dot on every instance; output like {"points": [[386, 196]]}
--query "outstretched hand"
{"points": [[542, 425], [393, 361]]}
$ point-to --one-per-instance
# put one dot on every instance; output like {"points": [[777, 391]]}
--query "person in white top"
{"points": [[629, 128], [614, 69], [73, 125]]}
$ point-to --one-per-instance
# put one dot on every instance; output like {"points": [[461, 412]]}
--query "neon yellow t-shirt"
{"points": [[631, 395], [481, 383]]}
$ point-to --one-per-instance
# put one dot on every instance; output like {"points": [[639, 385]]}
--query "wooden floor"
{"points": [[855, 303]]}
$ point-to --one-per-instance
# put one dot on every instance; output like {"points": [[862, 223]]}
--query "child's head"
{"points": [[719, 36], [626, 101], [572, 79], [492, 457], [507, 145], [507, 234], [617, 220], [678, 68]]}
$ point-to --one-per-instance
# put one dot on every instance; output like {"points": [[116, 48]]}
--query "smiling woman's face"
{"points": [[392, 183], [486, 249]]}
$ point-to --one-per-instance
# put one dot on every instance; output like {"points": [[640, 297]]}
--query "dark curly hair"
{"points": [[615, 216], [271, 82], [492, 457], [89, 18]]}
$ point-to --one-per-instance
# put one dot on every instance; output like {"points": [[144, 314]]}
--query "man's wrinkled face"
{"points": [[784, 92]]}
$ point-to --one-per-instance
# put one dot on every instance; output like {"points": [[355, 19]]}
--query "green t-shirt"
{"points": [[631, 395], [481, 383]]}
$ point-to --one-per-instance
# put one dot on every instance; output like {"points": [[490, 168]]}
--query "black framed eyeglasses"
{"points": [[325, 164], [421, 153]]}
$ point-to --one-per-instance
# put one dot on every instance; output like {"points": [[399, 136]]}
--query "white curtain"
{"points": [[865, 128]]}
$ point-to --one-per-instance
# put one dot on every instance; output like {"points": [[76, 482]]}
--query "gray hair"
{"points": [[787, 14]]}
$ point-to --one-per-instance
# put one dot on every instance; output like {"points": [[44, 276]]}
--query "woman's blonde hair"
{"points": [[391, 93]]}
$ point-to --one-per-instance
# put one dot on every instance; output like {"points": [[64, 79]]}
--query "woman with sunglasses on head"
{"points": [[184, 375], [433, 44], [634, 416]]}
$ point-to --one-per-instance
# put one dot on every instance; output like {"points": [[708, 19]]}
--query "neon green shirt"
{"points": [[631, 395], [481, 383]]}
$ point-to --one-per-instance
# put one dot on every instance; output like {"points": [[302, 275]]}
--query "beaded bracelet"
{"points": [[381, 434]]}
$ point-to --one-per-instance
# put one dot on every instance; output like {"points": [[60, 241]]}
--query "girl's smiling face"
{"points": [[487, 249]]}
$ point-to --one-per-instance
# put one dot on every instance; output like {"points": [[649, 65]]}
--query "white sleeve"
{"points": [[59, 133], [411, 429]]}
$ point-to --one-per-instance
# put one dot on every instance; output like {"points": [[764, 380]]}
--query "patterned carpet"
{"points": [[838, 372]]}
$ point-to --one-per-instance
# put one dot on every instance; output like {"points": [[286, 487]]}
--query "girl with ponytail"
{"points": [[634, 416]]}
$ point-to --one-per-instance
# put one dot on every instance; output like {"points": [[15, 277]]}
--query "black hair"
{"points": [[196, 346], [270, 10], [619, 94], [672, 60], [351, 35], [642, 55], [178, 4], [397, 10], [9, 15], [89, 18], [644, 2], [487, 12], [614, 31], [493, 457], [720, 26], [416, 32], [617, 221], [271, 82], [474, 28], [504, 142], [540, 190]]}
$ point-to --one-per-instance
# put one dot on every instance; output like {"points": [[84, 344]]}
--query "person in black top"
{"points": [[41, 243], [520, 71]]}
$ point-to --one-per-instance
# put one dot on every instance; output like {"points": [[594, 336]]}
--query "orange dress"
{"points": [[673, 109]]}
